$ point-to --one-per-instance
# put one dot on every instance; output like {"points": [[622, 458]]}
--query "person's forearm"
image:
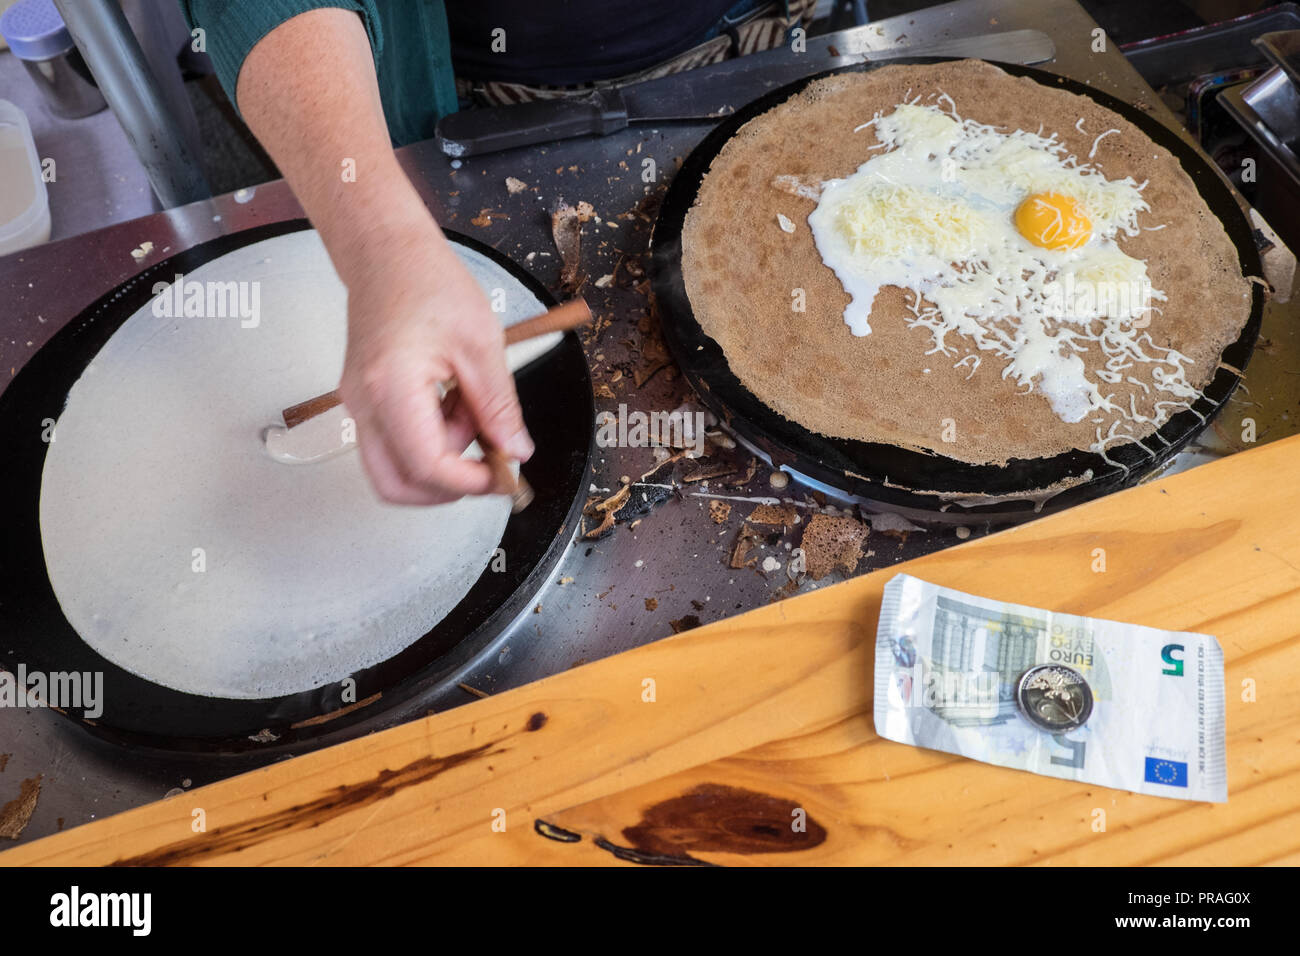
{"points": [[308, 92]]}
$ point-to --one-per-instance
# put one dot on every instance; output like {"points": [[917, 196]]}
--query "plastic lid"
{"points": [[34, 30]]}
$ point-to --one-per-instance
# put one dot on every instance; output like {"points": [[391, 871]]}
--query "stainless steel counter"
{"points": [[626, 589]]}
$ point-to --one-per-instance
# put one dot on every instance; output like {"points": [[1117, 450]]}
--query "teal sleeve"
{"points": [[233, 27], [416, 80], [409, 39]]}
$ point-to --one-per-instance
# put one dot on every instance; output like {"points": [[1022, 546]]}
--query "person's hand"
{"points": [[309, 92], [417, 318]]}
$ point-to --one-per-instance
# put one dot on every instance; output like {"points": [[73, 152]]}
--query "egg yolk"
{"points": [[1053, 221]]}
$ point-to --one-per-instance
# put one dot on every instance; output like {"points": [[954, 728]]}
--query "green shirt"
{"points": [[409, 39]]}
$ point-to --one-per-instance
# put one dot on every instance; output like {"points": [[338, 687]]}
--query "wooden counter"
{"points": [[766, 717]]}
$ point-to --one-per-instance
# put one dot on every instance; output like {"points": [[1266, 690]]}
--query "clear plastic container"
{"points": [[24, 203]]}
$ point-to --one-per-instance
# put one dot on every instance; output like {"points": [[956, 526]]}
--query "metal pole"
{"points": [[110, 49]]}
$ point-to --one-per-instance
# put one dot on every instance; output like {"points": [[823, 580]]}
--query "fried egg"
{"points": [[1004, 240]]}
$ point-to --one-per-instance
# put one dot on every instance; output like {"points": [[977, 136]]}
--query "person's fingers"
{"points": [[461, 430], [458, 422], [377, 459], [384, 476], [407, 410], [488, 391]]}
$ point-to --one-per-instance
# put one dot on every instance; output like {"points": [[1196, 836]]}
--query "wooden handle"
{"points": [[570, 315], [507, 482]]}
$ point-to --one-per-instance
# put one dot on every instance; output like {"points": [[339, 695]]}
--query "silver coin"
{"points": [[1054, 697]]}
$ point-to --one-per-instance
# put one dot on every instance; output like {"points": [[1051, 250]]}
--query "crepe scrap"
{"points": [[566, 230], [17, 813], [785, 514], [747, 540], [894, 525], [830, 542], [684, 623], [634, 499]]}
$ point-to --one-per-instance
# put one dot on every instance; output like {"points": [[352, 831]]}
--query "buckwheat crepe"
{"points": [[740, 267]]}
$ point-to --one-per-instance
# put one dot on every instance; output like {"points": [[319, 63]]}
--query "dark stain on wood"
{"points": [[340, 800], [649, 859], [552, 832], [711, 818]]}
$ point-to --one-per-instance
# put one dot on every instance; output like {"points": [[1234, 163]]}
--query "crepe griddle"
{"points": [[899, 476], [556, 395]]}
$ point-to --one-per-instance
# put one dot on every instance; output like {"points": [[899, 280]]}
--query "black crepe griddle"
{"points": [[894, 475], [556, 395]]}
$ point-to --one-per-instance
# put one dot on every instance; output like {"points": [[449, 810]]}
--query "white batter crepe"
{"points": [[307, 576]]}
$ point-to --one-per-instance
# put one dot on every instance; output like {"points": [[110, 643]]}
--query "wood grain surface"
{"points": [[766, 716]]}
